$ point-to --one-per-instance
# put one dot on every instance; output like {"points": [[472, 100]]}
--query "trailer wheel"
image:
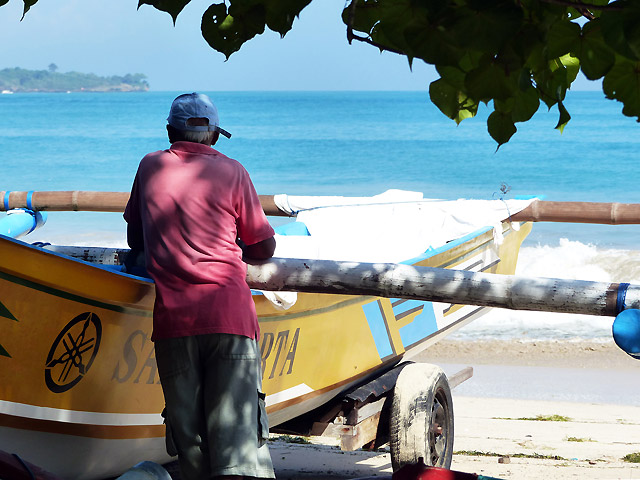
{"points": [[421, 422]]}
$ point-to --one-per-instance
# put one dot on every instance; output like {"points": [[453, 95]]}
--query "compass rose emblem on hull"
{"points": [[73, 352]]}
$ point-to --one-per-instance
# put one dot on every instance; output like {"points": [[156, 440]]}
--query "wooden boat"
{"points": [[79, 390]]}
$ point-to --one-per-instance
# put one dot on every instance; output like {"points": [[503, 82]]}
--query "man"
{"points": [[195, 213]]}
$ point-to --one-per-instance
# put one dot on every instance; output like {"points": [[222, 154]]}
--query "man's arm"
{"points": [[261, 250]]}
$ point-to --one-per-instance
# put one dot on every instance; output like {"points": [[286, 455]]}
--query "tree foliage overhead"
{"points": [[513, 54]]}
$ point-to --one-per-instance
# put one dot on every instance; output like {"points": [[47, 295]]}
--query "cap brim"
{"points": [[224, 132]]}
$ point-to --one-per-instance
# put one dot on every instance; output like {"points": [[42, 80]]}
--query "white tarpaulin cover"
{"points": [[391, 227]]}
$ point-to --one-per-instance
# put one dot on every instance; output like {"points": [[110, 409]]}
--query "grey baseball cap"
{"points": [[195, 105]]}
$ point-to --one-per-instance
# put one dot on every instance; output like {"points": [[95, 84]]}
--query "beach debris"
{"points": [[505, 459]]}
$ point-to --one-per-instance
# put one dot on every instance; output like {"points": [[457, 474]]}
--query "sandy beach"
{"points": [[594, 386]]}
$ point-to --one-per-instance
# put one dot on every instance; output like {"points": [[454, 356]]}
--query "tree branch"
{"points": [[371, 42]]}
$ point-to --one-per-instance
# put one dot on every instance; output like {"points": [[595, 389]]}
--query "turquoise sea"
{"points": [[352, 143]]}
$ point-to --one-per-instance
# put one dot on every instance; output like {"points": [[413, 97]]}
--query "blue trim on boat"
{"points": [[529, 197], [293, 229], [422, 325], [453, 243], [378, 328], [108, 268]]}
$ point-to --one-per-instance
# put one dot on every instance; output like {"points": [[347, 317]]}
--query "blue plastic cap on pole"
{"points": [[626, 332]]}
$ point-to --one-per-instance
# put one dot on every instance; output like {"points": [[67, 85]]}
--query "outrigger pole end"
{"points": [[580, 212], [626, 332]]}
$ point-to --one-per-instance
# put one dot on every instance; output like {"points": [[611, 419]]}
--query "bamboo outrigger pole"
{"points": [[88, 201], [444, 285], [538, 211], [580, 212]]}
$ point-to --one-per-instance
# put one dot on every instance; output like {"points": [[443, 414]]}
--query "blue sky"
{"points": [[113, 37]]}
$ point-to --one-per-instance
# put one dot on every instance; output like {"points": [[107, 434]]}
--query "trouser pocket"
{"points": [[170, 444], [263, 421]]}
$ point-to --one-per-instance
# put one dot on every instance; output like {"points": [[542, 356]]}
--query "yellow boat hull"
{"points": [[79, 390]]}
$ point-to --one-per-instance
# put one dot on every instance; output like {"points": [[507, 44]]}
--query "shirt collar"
{"points": [[191, 147]]}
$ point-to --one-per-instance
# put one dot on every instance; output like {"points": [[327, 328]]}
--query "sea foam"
{"points": [[568, 260]]}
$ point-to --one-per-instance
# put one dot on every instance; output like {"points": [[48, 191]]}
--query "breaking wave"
{"points": [[569, 260]]}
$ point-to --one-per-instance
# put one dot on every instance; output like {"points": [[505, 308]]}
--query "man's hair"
{"points": [[177, 135], [197, 137]]}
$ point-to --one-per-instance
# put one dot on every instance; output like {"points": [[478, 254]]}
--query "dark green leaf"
{"points": [[432, 45], [282, 13], [552, 82], [564, 117], [383, 21], [396, 18], [227, 34], [524, 79], [522, 106], [486, 25], [27, 5], [489, 82], [172, 7], [453, 76], [445, 97], [279, 14], [363, 18], [572, 66], [622, 83], [620, 28], [501, 127], [3, 2], [596, 58], [563, 38], [525, 105], [451, 101]]}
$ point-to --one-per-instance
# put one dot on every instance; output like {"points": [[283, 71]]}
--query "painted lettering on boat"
{"points": [[138, 360], [278, 349]]}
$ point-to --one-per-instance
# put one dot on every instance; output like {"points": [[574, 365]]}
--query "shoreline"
{"points": [[574, 353]]}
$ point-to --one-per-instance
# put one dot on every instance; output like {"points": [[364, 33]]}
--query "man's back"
{"points": [[193, 203]]}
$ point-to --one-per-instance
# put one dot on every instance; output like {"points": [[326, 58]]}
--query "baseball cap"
{"points": [[195, 105]]}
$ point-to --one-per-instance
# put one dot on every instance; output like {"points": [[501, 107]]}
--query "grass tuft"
{"points": [[632, 457], [540, 418], [293, 439], [578, 439], [478, 453]]}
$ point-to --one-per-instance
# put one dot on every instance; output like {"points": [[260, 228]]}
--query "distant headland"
{"points": [[13, 80]]}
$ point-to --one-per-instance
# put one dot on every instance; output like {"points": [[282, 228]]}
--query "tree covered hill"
{"points": [[22, 80]]}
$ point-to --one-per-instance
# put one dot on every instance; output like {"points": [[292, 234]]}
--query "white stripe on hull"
{"points": [[288, 394], [75, 416]]}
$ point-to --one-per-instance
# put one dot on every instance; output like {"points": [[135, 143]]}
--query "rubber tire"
{"points": [[421, 402]]}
